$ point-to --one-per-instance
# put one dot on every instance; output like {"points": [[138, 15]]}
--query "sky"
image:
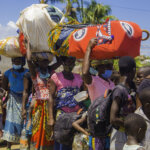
{"points": [[137, 11]]}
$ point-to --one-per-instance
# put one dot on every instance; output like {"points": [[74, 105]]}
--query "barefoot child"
{"points": [[135, 128]]}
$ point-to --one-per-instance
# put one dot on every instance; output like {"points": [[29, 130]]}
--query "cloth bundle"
{"points": [[10, 47], [58, 39], [35, 22], [114, 38]]}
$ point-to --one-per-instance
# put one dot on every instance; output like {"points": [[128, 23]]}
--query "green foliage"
{"points": [[84, 11], [97, 13], [141, 61]]}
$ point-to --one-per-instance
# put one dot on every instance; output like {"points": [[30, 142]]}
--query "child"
{"points": [[123, 103], [13, 82], [144, 111], [142, 81], [142, 73], [135, 128]]}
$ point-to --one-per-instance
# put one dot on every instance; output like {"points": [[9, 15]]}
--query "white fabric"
{"points": [[35, 23], [10, 47], [117, 140], [131, 147], [146, 141]]}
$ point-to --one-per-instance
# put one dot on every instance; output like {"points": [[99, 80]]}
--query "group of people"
{"points": [[38, 96]]}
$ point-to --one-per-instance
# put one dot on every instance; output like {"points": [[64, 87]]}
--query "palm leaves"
{"points": [[85, 11], [97, 13]]}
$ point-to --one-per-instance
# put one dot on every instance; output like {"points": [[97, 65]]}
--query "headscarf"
{"points": [[42, 55], [95, 63]]}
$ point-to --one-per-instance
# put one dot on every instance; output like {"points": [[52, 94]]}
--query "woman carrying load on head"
{"points": [[68, 84], [97, 85], [42, 114], [13, 83]]}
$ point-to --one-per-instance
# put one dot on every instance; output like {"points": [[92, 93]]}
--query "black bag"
{"points": [[63, 130], [99, 114]]}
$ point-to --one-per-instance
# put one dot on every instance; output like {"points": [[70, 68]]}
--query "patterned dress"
{"points": [[41, 132], [65, 102], [14, 122]]}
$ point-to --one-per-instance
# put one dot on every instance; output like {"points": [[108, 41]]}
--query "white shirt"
{"points": [[131, 147], [146, 141]]}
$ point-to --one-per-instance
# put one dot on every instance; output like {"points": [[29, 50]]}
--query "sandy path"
{"points": [[14, 147]]}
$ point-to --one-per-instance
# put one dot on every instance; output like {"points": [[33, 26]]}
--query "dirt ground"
{"points": [[14, 147]]}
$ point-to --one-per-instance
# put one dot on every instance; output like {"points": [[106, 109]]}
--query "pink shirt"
{"points": [[98, 86], [61, 82]]}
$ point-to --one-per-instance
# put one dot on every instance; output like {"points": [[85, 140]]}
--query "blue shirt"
{"points": [[15, 80]]}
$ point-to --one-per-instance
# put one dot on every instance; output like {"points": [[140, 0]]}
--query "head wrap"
{"points": [[95, 63], [42, 55]]}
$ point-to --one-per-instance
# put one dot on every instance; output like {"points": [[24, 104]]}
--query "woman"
{"points": [[68, 84], [13, 83], [123, 102], [97, 85], [42, 116]]}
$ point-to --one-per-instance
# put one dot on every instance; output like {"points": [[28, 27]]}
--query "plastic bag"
{"points": [[10, 47], [36, 21], [80, 142], [114, 39], [23, 139]]}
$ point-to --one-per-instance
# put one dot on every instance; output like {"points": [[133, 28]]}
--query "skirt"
{"points": [[14, 123], [41, 131]]}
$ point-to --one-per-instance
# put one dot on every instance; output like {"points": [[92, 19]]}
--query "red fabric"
{"points": [[21, 44], [123, 44]]}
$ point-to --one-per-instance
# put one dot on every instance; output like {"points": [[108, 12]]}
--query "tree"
{"points": [[93, 12], [97, 13]]}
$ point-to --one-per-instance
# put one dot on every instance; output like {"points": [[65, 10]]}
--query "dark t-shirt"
{"points": [[127, 103], [28, 77], [144, 84]]}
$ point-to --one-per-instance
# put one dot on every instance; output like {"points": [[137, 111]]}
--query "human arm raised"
{"points": [[87, 78]]}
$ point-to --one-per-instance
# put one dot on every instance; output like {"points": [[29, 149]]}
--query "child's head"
{"points": [[142, 73], [68, 63], [135, 126], [144, 97], [127, 67]]}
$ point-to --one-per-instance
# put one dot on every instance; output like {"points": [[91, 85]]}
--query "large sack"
{"points": [[58, 38], [36, 21], [10, 47], [115, 39]]}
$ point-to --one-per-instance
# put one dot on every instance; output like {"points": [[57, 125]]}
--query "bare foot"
{"points": [[50, 122]]}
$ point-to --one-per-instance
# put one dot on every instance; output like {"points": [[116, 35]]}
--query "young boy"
{"points": [[142, 73], [135, 128], [144, 111], [142, 81]]}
